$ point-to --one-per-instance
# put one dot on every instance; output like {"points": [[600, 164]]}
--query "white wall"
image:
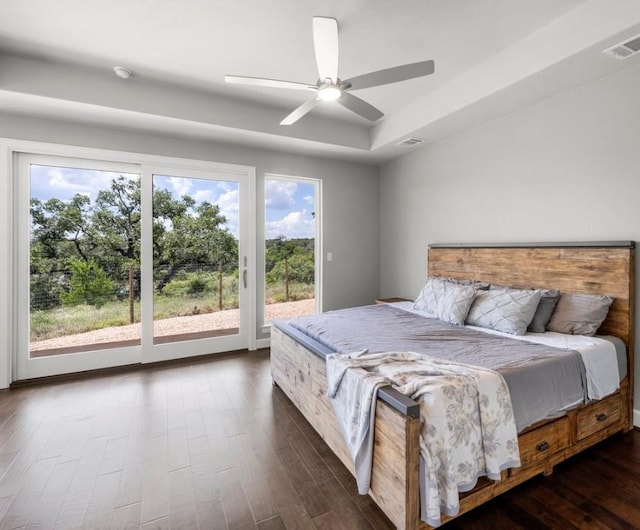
{"points": [[567, 169], [350, 198]]}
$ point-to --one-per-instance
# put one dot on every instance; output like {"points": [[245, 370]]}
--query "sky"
{"points": [[63, 182], [289, 205], [223, 193], [289, 209]]}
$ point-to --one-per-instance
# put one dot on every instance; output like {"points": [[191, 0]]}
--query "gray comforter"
{"points": [[543, 381]]}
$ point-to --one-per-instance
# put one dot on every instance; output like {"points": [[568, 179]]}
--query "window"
{"points": [[292, 247], [84, 254], [116, 262]]}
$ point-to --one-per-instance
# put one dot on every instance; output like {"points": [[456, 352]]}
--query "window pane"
{"points": [[195, 258], [84, 260], [290, 228]]}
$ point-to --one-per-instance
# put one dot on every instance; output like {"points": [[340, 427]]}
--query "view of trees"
{"points": [[88, 252], [290, 266], [299, 256], [83, 252]]}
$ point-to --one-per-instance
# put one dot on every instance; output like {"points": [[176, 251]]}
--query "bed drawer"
{"points": [[536, 445], [599, 415]]}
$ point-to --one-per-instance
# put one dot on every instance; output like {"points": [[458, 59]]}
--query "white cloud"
{"points": [[61, 179], [66, 182], [223, 185], [280, 194], [181, 186], [204, 195], [309, 199], [229, 205], [298, 224]]}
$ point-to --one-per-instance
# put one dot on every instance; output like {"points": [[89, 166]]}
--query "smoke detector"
{"points": [[625, 49], [122, 72]]}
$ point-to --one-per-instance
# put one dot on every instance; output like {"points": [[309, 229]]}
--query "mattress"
{"points": [[544, 380]]}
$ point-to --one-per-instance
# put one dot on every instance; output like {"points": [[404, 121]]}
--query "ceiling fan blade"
{"points": [[299, 112], [325, 42], [272, 83], [359, 106], [392, 75]]}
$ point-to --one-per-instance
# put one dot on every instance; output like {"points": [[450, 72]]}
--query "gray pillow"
{"points": [[579, 314], [548, 300], [504, 309], [445, 300]]}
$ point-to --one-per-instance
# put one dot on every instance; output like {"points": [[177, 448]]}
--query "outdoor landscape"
{"points": [[85, 261]]}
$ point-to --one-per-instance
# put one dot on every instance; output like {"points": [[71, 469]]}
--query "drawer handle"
{"points": [[601, 417], [543, 446]]}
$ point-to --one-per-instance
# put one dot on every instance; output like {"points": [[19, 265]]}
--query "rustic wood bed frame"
{"points": [[596, 268]]}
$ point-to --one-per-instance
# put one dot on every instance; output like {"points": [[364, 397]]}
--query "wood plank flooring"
{"points": [[212, 444]]}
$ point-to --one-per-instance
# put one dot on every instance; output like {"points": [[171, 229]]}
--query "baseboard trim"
{"points": [[128, 368], [263, 343]]}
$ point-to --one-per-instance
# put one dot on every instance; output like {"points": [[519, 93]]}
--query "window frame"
{"points": [[318, 240]]}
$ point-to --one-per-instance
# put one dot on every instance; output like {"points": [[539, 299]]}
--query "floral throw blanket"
{"points": [[467, 424]]}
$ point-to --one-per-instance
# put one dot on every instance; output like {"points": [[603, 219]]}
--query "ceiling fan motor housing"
{"points": [[328, 90]]}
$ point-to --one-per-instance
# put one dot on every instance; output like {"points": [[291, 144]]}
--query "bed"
{"points": [[298, 368]]}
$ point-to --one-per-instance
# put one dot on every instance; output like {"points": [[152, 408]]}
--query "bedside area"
{"points": [[391, 300]]}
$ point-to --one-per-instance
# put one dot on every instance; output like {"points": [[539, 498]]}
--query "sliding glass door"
{"points": [[119, 262], [197, 266]]}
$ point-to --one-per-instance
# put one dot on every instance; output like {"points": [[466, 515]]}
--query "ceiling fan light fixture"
{"points": [[329, 93]]}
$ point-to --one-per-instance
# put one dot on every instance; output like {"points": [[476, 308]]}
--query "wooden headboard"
{"points": [[595, 268]]}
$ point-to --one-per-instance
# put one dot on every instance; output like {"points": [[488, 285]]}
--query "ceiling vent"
{"points": [[410, 142], [625, 49]]}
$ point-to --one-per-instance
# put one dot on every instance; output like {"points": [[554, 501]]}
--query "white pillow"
{"points": [[445, 300], [504, 309]]}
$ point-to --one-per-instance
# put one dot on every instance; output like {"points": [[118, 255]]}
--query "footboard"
{"points": [[394, 480]]}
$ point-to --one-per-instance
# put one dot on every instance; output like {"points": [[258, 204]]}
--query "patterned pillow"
{"points": [[548, 301], [446, 301], [579, 314], [504, 309]]}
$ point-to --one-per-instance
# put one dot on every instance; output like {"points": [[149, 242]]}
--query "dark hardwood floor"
{"points": [[213, 445]]}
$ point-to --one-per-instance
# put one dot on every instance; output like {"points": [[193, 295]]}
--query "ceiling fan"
{"points": [[329, 86]]}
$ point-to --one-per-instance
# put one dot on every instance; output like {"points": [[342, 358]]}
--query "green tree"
{"points": [[65, 231], [59, 229], [276, 250], [114, 228], [301, 269], [88, 284], [188, 237], [46, 290]]}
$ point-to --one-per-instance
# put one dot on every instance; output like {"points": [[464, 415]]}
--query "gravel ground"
{"points": [[175, 326]]}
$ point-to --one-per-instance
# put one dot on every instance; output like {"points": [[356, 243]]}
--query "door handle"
{"points": [[244, 278]]}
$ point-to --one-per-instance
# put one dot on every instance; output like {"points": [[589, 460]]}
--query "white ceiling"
{"points": [[492, 57]]}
